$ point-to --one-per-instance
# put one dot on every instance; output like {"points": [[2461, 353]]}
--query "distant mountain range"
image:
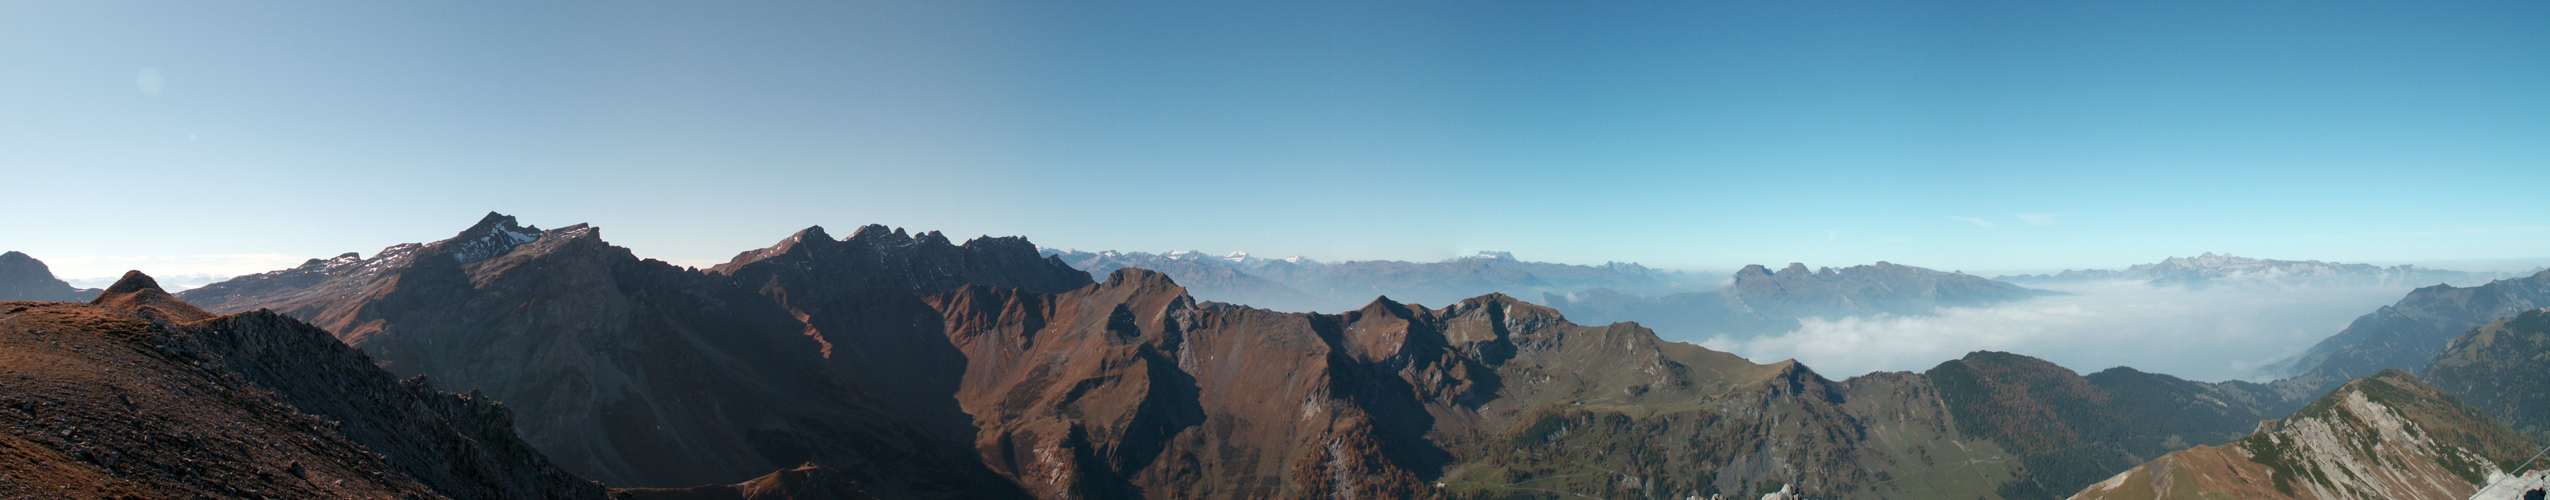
{"points": [[1763, 302], [2210, 269], [1303, 284]]}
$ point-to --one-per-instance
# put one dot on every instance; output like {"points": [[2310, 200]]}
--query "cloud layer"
{"points": [[2213, 334]]}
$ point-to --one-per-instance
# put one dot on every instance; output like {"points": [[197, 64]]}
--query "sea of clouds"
{"points": [[2212, 334]]}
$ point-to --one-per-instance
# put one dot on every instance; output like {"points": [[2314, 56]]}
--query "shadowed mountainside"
{"points": [[141, 395], [2407, 335], [24, 278], [641, 373]]}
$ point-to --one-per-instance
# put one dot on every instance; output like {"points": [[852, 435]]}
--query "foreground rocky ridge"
{"points": [[2385, 436], [141, 395]]}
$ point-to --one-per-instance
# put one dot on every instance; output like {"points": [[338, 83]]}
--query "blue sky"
{"points": [[230, 136]]}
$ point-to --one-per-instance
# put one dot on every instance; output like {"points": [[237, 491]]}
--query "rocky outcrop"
{"points": [[143, 395], [2385, 436], [24, 278]]}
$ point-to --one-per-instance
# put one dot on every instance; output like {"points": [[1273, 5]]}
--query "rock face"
{"points": [[640, 373], [2210, 269], [2407, 335], [24, 278], [2385, 436], [1761, 302], [2502, 369], [141, 395]]}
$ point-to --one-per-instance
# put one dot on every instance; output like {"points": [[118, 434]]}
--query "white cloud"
{"points": [[2037, 219], [1979, 222], [2212, 334]]}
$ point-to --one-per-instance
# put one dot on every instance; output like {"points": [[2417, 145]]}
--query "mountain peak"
{"points": [[142, 295], [493, 236]]}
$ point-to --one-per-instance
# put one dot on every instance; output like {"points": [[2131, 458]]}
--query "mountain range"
{"points": [[888, 364], [983, 370], [1759, 301], [1303, 284], [2211, 269], [2410, 333]]}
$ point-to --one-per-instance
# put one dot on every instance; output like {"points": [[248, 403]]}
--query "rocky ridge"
{"points": [[2409, 334], [144, 395], [2385, 436]]}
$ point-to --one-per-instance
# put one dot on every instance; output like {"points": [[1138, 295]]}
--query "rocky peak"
{"points": [[493, 235]]}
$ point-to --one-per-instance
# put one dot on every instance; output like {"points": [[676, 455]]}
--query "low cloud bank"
{"points": [[2212, 334]]}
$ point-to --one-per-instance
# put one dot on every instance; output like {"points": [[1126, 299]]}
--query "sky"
{"points": [[236, 137]]}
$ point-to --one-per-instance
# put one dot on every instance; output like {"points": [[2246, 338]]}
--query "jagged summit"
{"points": [[492, 236]]}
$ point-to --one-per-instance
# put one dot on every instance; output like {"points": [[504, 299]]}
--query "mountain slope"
{"points": [[24, 278], [2068, 430], [144, 395], [1132, 388], [641, 373], [2502, 368], [2408, 334], [2385, 436], [1763, 302]]}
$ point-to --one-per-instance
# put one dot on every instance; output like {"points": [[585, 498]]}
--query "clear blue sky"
{"points": [[1701, 135]]}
